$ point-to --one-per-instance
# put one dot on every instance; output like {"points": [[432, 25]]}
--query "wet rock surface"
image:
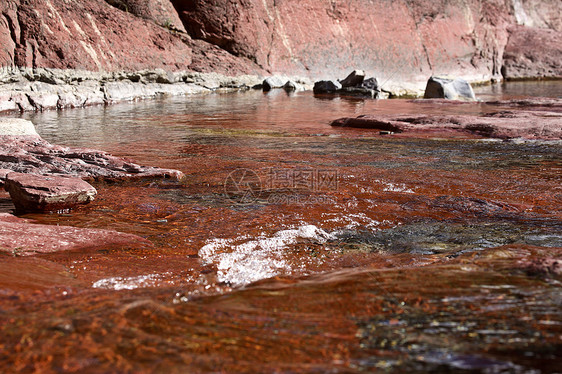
{"points": [[538, 122], [44, 177], [419, 248], [32, 154], [20, 237], [31, 192]]}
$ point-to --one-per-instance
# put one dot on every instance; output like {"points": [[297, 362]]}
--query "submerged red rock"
{"points": [[23, 238], [536, 122]]}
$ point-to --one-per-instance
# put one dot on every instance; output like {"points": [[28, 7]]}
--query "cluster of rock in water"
{"points": [[356, 84], [25, 89]]}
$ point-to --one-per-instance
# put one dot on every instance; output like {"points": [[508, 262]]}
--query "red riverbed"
{"points": [[295, 247]]}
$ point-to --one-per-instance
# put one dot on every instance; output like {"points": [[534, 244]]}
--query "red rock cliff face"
{"points": [[398, 41], [88, 35], [402, 40], [108, 35]]}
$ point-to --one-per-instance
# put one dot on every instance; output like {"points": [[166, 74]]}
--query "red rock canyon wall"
{"points": [[399, 41]]}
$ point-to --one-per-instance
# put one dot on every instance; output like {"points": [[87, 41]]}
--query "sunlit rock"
{"points": [[273, 82], [532, 53], [30, 192], [449, 88], [17, 127], [21, 237]]}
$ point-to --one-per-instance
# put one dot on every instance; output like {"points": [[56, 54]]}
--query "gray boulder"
{"points": [[326, 87], [364, 92], [371, 84], [293, 86], [273, 82], [449, 88], [354, 79]]}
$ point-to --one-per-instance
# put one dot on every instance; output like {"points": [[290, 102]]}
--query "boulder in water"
{"points": [[371, 84], [273, 82], [449, 88], [326, 87], [354, 79]]}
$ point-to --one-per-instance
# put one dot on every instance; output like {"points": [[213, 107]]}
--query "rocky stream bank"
{"points": [[43, 177]]}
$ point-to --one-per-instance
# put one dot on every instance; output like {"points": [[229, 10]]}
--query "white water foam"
{"points": [[130, 283], [242, 260], [392, 187]]}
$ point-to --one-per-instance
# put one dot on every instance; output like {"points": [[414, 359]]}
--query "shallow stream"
{"points": [[296, 247]]}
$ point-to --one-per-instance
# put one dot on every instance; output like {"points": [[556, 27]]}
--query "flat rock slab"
{"points": [[32, 154], [536, 123], [32, 193], [16, 126], [21, 237]]}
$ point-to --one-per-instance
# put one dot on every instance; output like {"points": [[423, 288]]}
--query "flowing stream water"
{"points": [[296, 247]]}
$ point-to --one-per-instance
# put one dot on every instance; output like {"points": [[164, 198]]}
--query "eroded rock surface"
{"points": [[32, 154], [533, 53], [406, 42]]}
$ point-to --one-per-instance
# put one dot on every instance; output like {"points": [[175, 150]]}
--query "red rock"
{"points": [[533, 123], [23, 238], [32, 154], [542, 266], [407, 41], [34, 273], [535, 104], [400, 42], [87, 35], [533, 53], [32, 192], [162, 12]]}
